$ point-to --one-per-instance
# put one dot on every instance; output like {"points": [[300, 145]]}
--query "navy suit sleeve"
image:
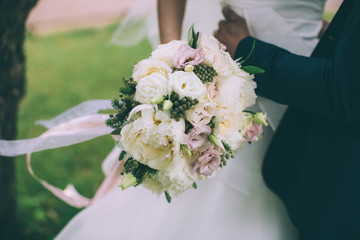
{"points": [[326, 87]]}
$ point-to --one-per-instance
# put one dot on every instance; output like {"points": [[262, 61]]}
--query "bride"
{"points": [[235, 204]]}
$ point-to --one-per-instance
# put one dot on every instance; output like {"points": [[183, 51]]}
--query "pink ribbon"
{"points": [[79, 127]]}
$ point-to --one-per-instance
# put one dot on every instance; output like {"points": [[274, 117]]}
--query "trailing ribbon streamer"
{"points": [[83, 109], [72, 129], [18, 147]]}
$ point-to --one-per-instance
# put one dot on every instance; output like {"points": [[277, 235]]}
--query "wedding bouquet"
{"points": [[182, 115]]}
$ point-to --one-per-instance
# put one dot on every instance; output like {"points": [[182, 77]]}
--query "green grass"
{"points": [[63, 70]]}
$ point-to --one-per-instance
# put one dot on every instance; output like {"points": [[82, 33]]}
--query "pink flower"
{"points": [[208, 162], [253, 132], [187, 56], [198, 137]]}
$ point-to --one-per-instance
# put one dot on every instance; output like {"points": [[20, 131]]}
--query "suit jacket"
{"points": [[313, 162]]}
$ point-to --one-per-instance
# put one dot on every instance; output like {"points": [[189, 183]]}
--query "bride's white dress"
{"points": [[235, 204]]}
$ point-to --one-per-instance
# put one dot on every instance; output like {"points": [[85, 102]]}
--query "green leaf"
{"points": [[186, 149], [193, 37], [212, 123], [214, 140], [168, 197], [227, 147], [251, 51], [122, 155], [190, 34], [252, 69], [194, 185], [116, 132], [195, 40], [248, 111]]}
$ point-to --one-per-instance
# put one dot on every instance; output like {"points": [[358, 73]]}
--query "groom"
{"points": [[313, 162]]}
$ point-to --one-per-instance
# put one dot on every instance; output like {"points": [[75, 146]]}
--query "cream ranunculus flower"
{"points": [[148, 66], [201, 113], [165, 52], [175, 181], [151, 86], [187, 84], [228, 129], [231, 127], [236, 93], [153, 138]]}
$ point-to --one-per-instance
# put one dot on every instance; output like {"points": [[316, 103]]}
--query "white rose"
{"points": [[153, 138], [148, 66], [165, 52], [229, 128], [151, 86], [174, 182], [201, 113], [236, 93], [187, 84]]}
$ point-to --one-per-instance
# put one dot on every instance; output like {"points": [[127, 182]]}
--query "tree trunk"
{"points": [[13, 14]]}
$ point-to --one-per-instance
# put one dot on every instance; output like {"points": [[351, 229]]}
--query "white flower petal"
{"points": [[187, 84]]}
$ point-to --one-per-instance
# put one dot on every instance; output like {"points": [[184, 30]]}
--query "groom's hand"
{"points": [[231, 30]]}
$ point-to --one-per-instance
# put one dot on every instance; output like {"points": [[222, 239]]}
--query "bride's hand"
{"points": [[231, 30]]}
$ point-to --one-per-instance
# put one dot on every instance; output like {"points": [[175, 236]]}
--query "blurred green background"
{"points": [[63, 70]]}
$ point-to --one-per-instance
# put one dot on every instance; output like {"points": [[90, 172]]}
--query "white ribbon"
{"points": [[76, 125]]}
